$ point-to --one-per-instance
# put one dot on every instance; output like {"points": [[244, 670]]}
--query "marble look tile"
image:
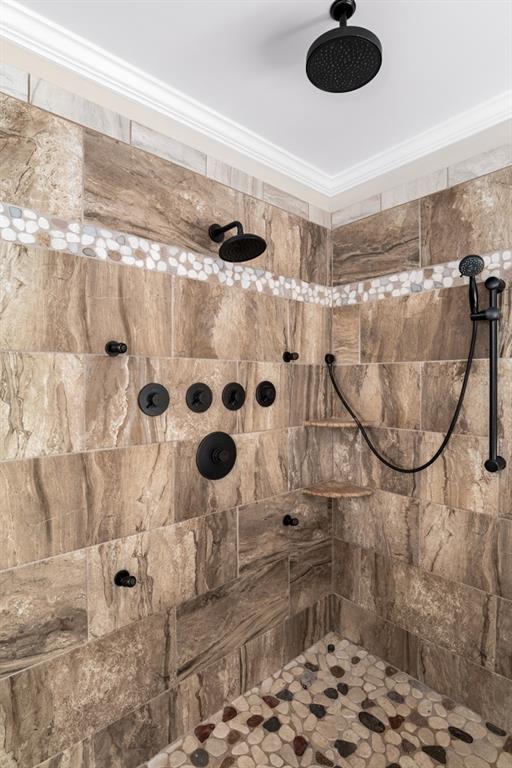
{"points": [[262, 537], [168, 148], [378, 636], [262, 655], [384, 395], [356, 211], [234, 178], [44, 611], [319, 216], [384, 522], [427, 326], [504, 639], [212, 625], [315, 253], [310, 575], [308, 393], [473, 217], [282, 199], [13, 82], [119, 422], [458, 480], [307, 627], [138, 736], [110, 680], [481, 164], [260, 471], [310, 331], [78, 756], [203, 558], [412, 190], [60, 102], [461, 680], [441, 384], [310, 456], [454, 616], [41, 159], [347, 463], [216, 322], [382, 244], [202, 693], [466, 547], [345, 334], [51, 301], [252, 417], [43, 508], [41, 404]]}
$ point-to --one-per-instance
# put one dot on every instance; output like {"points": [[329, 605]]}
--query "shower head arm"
{"points": [[217, 232], [342, 10]]}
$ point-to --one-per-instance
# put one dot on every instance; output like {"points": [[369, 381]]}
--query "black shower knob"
{"points": [[124, 579], [289, 520], [199, 397], [265, 393], [290, 357], [115, 348], [216, 455], [153, 399], [233, 396]]}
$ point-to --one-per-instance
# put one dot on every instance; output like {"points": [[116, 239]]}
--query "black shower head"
{"points": [[472, 265], [346, 58], [240, 247]]}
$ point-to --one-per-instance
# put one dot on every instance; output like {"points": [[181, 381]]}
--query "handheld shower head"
{"points": [[471, 266]]}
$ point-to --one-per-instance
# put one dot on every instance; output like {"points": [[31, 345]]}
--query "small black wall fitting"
{"points": [[153, 399], [289, 520], [115, 348], [216, 455], [290, 357], [124, 579], [233, 396], [265, 394], [199, 397]]}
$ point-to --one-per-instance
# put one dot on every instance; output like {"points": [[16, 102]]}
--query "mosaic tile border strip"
{"points": [[338, 705], [28, 227]]}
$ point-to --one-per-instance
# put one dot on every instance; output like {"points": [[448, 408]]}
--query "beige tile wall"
{"points": [[93, 674], [422, 569]]}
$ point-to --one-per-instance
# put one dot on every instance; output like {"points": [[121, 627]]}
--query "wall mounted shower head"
{"points": [[346, 58], [472, 265], [240, 247]]}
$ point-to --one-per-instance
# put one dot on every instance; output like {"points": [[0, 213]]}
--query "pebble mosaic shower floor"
{"points": [[337, 705]]}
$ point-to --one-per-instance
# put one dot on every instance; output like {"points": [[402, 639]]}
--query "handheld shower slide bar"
{"points": [[470, 266]]}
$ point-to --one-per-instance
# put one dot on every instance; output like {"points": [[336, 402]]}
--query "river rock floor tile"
{"points": [[337, 705]]}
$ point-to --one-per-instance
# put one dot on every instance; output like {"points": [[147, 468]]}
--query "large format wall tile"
{"points": [[215, 322], [504, 639], [41, 404], [212, 625], [473, 217], [310, 331], [441, 385], [261, 656], [385, 522], [378, 245], [260, 471], [40, 160], [114, 419], [51, 301], [252, 417], [310, 456], [83, 691], [171, 565], [345, 334], [461, 680], [262, 537], [307, 627], [384, 395], [307, 393], [43, 611], [454, 616], [80, 755], [429, 326], [310, 575]]}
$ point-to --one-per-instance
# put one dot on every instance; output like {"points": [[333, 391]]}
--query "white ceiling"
{"points": [[245, 59]]}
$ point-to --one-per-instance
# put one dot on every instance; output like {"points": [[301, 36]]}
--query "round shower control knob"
{"points": [[289, 520], [216, 455], [115, 348], [153, 399], [233, 396], [124, 579], [265, 393], [199, 397]]}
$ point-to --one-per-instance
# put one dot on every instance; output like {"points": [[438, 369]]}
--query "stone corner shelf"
{"points": [[335, 490], [335, 423]]}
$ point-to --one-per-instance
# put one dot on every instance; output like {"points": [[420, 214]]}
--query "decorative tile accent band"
{"points": [[27, 227]]}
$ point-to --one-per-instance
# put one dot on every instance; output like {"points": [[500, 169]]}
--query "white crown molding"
{"points": [[43, 37]]}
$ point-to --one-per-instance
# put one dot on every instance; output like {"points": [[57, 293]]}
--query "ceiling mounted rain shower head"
{"points": [[240, 247], [346, 58]]}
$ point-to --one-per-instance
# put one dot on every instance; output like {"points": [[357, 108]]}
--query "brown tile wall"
{"points": [[91, 674], [422, 570]]}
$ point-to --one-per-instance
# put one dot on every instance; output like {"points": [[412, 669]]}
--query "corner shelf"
{"points": [[335, 490], [335, 423]]}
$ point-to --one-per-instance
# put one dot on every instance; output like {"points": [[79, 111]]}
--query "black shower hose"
{"points": [[410, 470]]}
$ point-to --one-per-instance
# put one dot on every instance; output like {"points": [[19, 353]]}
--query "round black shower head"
{"points": [[346, 58], [472, 265], [240, 247]]}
